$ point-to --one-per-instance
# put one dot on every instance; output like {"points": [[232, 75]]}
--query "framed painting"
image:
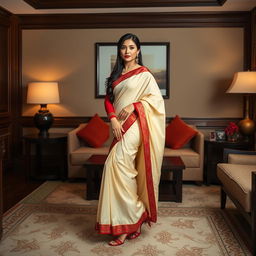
{"points": [[155, 57]]}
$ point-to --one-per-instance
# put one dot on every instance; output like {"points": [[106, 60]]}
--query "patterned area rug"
{"points": [[57, 220]]}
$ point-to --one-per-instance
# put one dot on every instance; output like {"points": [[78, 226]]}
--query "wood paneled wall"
{"points": [[2, 151], [10, 100], [5, 104], [253, 59], [253, 32]]}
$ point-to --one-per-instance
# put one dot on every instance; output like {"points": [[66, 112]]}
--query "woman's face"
{"points": [[129, 51]]}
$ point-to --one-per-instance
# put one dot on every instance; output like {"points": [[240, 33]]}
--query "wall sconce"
{"points": [[43, 93], [245, 83]]}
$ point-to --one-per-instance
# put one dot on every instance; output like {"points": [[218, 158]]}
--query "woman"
{"points": [[129, 187]]}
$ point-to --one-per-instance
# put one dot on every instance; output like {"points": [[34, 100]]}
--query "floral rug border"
{"points": [[226, 237]]}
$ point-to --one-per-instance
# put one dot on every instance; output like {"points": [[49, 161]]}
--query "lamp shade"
{"points": [[243, 82], [43, 93]]}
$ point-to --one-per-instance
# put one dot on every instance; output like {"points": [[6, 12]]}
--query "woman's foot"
{"points": [[119, 241], [135, 234]]}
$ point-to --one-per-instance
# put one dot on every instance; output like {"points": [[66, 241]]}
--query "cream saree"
{"points": [[129, 186]]}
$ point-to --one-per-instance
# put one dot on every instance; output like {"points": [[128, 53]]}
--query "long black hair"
{"points": [[119, 65]]}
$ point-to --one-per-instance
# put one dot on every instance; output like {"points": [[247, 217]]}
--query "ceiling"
{"points": [[57, 4], [95, 6]]}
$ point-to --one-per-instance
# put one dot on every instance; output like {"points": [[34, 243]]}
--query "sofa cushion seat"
{"points": [[237, 179], [190, 158], [80, 155]]}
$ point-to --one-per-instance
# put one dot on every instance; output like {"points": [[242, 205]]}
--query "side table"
{"points": [[213, 154], [50, 156]]}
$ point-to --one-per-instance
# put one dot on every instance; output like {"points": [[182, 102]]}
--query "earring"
{"points": [[137, 58]]}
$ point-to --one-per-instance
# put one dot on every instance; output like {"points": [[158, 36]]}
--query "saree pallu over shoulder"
{"points": [[129, 74]]}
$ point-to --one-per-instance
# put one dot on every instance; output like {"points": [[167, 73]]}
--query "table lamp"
{"points": [[43, 93], [245, 83]]}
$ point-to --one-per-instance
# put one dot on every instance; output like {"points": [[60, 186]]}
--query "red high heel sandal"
{"points": [[134, 234], [117, 242]]}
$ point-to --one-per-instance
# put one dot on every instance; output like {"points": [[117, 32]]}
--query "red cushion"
{"points": [[95, 133], [178, 133]]}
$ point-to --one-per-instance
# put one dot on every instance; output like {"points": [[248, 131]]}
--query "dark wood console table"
{"points": [[55, 148]]}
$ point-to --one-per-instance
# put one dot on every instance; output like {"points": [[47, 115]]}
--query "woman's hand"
{"points": [[117, 128], [125, 112]]}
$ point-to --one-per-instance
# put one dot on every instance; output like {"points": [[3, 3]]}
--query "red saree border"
{"points": [[136, 71], [121, 229], [127, 124], [147, 158]]}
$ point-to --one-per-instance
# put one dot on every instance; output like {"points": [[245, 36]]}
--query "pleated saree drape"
{"points": [[129, 186]]}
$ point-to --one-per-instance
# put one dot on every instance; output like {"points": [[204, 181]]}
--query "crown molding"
{"points": [[4, 12], [138, 20], [70, 4]]}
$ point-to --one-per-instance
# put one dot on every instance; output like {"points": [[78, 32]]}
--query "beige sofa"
{"points": [[237, 176], [192, 155]]}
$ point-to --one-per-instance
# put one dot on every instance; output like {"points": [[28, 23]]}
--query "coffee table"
{"points": [[94, 166], [175, 165]]}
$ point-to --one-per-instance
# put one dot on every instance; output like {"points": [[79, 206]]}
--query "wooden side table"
{"points": [[213, 154], [54, 147]]}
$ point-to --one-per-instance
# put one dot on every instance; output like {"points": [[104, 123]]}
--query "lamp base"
{"points": [[43, 120], [246, 126]]}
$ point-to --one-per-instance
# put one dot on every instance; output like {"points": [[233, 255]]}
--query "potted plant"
{"points": [[232, 132]]}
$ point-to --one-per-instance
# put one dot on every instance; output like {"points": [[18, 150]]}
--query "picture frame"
{"points": [[212, 136], [155, 56], [220, 135]]}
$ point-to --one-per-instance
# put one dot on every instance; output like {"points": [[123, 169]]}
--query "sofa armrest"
{"points": [[73, 140], [198, 146], [235, 156]]}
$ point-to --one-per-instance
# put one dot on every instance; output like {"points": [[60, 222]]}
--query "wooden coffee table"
{"points": [[175, 165], [94, 166]]}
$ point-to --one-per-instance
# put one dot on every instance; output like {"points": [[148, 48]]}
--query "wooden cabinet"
{"points": [[7, 84]]}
